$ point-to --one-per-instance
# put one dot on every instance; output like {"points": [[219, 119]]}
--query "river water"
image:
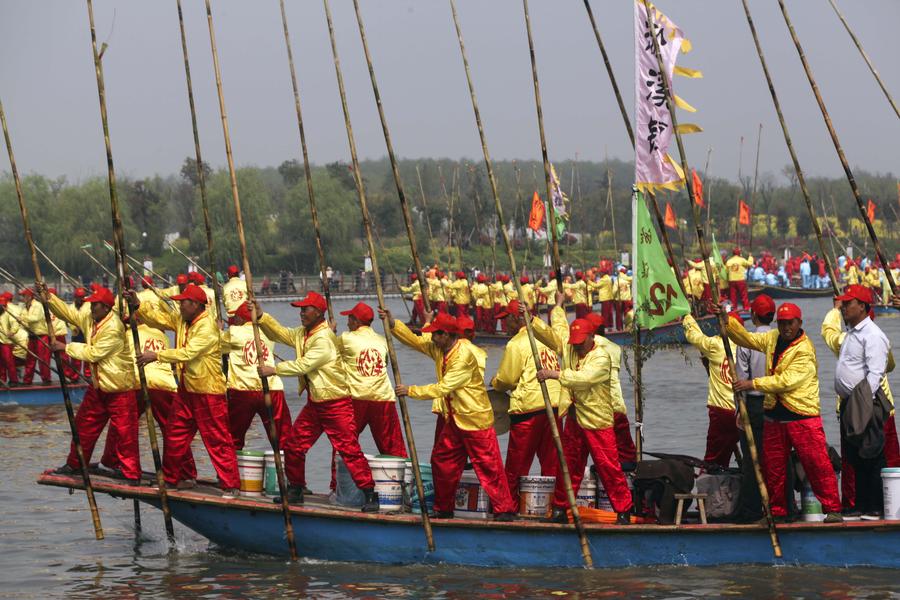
{"points": [[48, 548]]}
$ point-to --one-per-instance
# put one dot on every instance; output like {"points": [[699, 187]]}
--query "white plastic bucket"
{"points": [[890, 479], [271, 477], [471, 500], [603, 502], [587, 491], [810, 507], [250, 467], [411, 498], [388, 475], [535, 494]]}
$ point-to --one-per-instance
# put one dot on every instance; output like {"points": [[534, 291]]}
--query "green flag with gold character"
{"points": [[657, 295]]}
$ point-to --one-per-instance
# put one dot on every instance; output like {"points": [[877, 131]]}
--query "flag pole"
{"points": [[801, 179], [367, 224], [535, 355], [124, 284], [737, 215], [840, 151], [755, 178], [201, 176], [307, 171], [57, 355], [865, 56], [413, 247], [245, 258], [704, 249]]}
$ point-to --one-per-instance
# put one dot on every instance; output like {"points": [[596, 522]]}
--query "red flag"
{"points": [[870, 211], [536, 218], [745, 213], [670, 221], [698, 189]]}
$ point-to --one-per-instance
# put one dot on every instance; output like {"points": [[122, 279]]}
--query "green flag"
{"points": [[657, 295], [717, 260]]}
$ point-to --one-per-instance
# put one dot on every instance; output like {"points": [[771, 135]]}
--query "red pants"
{"points": [[335, 418], [449, 457], [624, 442], [601, 445], [120, 410], [581, 310], [722, 437], [462, 310], [706, 296], [527, 439], [440, 306], [37, 346], [418, 313], [207, 413], [69, 368], [243, 405], [493, 325], [848, 473], [8, 370], [808, 438], [438, 428], [485, 317], [607, 309], [620, 314], [383, 422], [738, 290]]}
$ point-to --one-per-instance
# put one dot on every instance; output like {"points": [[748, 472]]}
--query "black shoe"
{"points": [[294, 495], [623, 518], [133, 482], [506, 517], [743, 518], [441, 514], [851, 512], [558, 515], [65, 470], [371, 503]]}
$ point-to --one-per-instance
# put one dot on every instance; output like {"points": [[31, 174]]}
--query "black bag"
{"points": [[657, 481]]}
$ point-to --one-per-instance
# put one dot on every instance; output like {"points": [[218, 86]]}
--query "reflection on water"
{"points": [[48, 548]]}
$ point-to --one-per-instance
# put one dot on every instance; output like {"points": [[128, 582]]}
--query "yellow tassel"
{"points": [[680, 103], [685, 128], [691, 73]]}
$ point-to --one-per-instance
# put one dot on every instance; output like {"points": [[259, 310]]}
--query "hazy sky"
{"points": [[48, 88]]}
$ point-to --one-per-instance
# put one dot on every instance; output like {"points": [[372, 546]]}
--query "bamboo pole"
{"points": [[191, 261], [307, 171], [737, 212], [551, 417], [704, 249], [413, 248], [123, 281], [245, 258], [57, 355], [840, 151], [367, 224], [98, 263], [135, 263], [801, 179], [865, 56], [59, 270], [755, 178], [201, 176], [708, 190]]}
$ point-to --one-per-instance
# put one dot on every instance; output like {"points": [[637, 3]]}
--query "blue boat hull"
{"points": [[40, 395]]}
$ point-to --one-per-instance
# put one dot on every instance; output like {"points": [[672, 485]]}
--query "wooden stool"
{"points": [[701, 505]]}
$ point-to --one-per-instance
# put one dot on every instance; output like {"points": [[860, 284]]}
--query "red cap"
{"points": [[856, 292], [580, 330], [578, 274], [465, 324], [312, 299], [460, 275], [362, 311], [182, 279], [442, 322], [552, 275], [243, 311], [53, 291], [102, 295], [26, 292], [788, 311], [4, 300], [147, 281], [7, 295], [480, 278], [523, 279], [191, 292], [94, 286], [762, 305], [736, 251], [595, 320], [510, 309], [233, 271], [413, 276], [196, 277]]}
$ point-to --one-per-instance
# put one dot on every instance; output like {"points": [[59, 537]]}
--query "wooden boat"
{"points": [[885, 310], [777, 292], [40, 395], [326, 532]]}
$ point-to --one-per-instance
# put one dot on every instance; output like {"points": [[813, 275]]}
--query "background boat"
{"points": [[40, 395], [777, 292]]}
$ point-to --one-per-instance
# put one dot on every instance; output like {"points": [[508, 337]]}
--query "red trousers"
{"points": [[808, 438], [438, 428], [335, 418], [243, 405], [607, 309], [37, 346], [207, 413], [462, 310], [485, 318], [69, 368], [440, 306], [8, 370], [848, 473], [722, 437], [493, 326], [581, 310], [120, 410], [738, 290], [624, 442], [527, 439], [601, 445], [449, 457], [620, 314], [418, 312], [383, 422]]}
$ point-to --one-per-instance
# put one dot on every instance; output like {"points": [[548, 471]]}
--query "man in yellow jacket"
{"points": [[32, 317], [234, 291], [791, 404], [581, 295], [623, 297], [585, 373], [329, 408], [462, 297], [8, 329], [529, 432], [604, 288], [722, 434], [201, 403], [468, 430], [484, 305], [737, 267], [414, 289], [111, 397]]}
